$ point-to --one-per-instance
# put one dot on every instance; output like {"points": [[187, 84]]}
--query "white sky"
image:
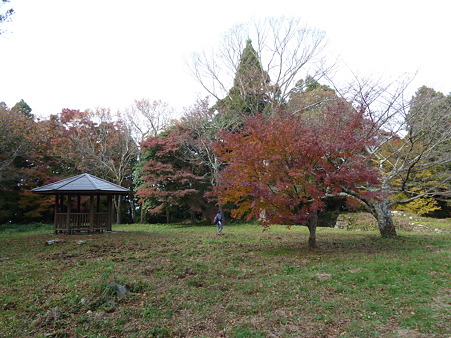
{"points": [[83, 54]]}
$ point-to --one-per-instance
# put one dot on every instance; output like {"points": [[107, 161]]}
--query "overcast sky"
{"points": [[83, 54]]}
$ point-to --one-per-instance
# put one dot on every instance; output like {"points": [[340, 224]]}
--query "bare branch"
{"points": [[287, 51]]}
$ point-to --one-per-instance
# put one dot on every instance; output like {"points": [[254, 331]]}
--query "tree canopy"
{"points": [[285, 168], [274, 144], [167, 180]]}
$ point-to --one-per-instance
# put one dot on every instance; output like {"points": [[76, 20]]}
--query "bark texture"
{"points": [[382, 212], [312, 223]]}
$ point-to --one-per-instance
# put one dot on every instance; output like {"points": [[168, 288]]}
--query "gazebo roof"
{"points": [[82, 184]]}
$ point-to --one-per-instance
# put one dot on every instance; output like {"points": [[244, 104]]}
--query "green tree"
{"points": [[309, 96], [430, 113], [250, 92], [308, 85], [23, 108]]}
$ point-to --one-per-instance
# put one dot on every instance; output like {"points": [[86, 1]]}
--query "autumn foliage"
{"points": [[281, 168], [168, 179]]}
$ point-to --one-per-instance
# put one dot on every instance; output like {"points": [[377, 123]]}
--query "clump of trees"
{"points": [[411, 149], [275, 144], [36, 152]]}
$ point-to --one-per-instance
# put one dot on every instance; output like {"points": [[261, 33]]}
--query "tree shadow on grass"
{"points": [[365, 244]]}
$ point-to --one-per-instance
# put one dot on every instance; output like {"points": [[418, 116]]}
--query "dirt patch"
{"points": [[404, 333]]}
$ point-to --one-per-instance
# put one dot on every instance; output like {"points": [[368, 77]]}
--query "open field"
{"points": [[184, 280]]}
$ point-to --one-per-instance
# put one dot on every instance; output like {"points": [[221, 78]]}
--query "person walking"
{"points": [[218, 221]]}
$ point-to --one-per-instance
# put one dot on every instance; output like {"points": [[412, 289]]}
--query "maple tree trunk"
{"points": [[168, 215], [383, 215], [192, 216], [312, 231]]}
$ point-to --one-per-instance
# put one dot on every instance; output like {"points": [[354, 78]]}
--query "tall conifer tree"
{"points": [[249, 94]]}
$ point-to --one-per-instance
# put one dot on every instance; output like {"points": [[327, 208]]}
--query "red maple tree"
{"points": [[279, 169], [168, 179]]}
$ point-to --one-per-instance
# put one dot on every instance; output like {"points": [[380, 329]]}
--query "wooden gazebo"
{"points": [[83, 203]]}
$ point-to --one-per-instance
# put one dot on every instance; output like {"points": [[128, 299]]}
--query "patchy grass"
{"points": [[186, 281], [18, 230], [408, 222]]}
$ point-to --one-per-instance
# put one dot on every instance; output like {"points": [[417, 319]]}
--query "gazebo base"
{"points": [[82, 223]]}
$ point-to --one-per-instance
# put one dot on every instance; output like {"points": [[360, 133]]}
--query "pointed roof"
{"points": [[82, 184]]}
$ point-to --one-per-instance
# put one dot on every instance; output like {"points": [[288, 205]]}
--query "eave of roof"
{"points": [[82, 184]]}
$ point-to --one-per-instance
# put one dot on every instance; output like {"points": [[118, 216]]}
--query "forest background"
{"points": [[276, 140]]}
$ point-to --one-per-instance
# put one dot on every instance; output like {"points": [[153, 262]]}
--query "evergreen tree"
{"points": [[429, 119], [311, 98], [250, 92], [23, 108], [430, 112]]}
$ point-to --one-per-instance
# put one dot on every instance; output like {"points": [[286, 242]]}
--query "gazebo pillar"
{"points": [[69, 202], [91, 213], [110, 212], [55, 218]]}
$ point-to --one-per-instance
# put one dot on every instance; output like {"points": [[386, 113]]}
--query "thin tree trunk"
{"points": [[312, 223], [132, 207], [118, 209], [143, 214]]}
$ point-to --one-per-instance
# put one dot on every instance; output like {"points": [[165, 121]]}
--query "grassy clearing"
{"points": [[186, 281]]}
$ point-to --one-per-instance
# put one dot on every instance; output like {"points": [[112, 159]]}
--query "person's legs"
{"points": [[219, 227]]}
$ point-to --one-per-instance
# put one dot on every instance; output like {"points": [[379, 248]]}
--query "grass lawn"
{"points": [[186, 281]]}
